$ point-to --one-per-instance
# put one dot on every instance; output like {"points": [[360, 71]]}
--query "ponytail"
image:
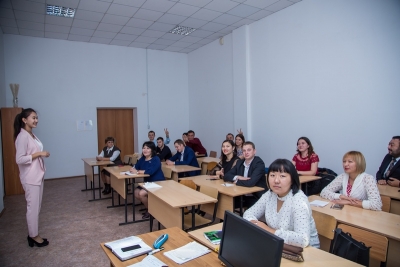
{"points": [[18, 123]]}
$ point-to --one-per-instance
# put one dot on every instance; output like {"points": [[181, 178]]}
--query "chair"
{"points": [[386, 203], [210, 167], [166, 171], [326, 225], [378, 243], [127, 159], [191, 184], [210, 208], [213, 154]]}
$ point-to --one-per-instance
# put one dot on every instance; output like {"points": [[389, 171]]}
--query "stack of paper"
{"points": [[149, 261], [187, 252], [151, 185], [319, 203]]}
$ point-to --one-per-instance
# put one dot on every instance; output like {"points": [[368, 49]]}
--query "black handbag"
{"points": [[347, 247]]}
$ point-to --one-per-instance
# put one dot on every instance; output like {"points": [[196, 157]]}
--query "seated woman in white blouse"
{"points": [[285, 207], [356, 188]]}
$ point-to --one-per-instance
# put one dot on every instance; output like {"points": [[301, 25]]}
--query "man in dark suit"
{"points": [[249, 172], [184, 156], [389, 171]]}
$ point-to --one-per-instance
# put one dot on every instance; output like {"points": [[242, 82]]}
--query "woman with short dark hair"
{"points": [[286, 208]]}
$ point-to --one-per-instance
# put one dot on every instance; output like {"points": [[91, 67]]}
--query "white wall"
{"points": [[211, 103], [66, 81], [327, 70], [2, 104]]}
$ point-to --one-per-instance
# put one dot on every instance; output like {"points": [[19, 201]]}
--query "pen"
{"points": [[155, 251]]}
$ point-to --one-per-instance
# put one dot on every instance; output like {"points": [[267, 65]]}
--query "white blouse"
{"points": [[293, 223], [364, 188]]}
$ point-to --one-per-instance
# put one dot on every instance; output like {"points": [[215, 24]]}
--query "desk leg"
{"points": [[133, 208], [94, 189], [86, 188]]}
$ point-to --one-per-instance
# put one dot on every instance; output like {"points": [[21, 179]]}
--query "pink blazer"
{"points": [[30, 171]]}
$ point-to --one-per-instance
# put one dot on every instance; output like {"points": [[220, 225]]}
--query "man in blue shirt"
{"points": [[184, 156]]}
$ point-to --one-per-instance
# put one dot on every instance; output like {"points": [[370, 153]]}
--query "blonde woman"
{"points": [[356, 188]]}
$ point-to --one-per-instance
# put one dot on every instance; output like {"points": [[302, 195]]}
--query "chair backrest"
{"points": [[134, 158], [166, 171], [211, 166], [127, 159], [378, 243], [386, 203], [210, 208], [213, 154], [326, 224], [189, 183], [209, 191]]}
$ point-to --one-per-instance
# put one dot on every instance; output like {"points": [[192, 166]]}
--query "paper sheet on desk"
{"points": [[149, 261], [128, 173], [186, 253], [227, 185], [151, 185], [319, 203]]}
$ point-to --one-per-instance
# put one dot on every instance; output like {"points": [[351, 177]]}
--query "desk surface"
{"points": [[312, 256], [232, 191], [177, 238], [181, 168], [94, 162], [116, 171], [208, 160], [178, 196], [390, 191], [380, 222]]}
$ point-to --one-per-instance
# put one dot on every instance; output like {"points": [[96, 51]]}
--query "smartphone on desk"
{"points": [[337, 206]]}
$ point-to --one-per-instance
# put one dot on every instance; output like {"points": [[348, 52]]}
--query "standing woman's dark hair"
{"points": [[152, 146], [284, 165], [18, 123], [310, 149]]}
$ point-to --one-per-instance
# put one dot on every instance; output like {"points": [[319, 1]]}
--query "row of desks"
{"points": [[312, 257]]}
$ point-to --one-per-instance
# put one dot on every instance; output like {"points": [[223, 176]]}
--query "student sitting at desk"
{"points": [[149, 164], [389, 171], [356, 187], [152, 135], [163, 151], [195, 144], [228, 159], [239, 141], [109, 153], [248, 172], [286, 208], [184, 156]]}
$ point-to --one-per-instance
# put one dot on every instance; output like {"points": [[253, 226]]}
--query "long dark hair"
{"points": [[241, 136], [310, 149], [152, 146], [284, 165], [18, 123], [223, 156]]}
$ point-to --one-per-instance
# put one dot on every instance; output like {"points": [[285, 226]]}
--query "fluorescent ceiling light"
{"points": [[60, 11], [182, 30]]}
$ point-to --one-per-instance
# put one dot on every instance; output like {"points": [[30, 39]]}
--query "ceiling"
{"points": [[136, 23]]}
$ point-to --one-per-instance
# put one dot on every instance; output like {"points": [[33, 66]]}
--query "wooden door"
{"points": [[117, 123], [12, 183]]}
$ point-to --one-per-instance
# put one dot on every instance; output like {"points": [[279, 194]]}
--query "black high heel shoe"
{"points": [[32, 242]]}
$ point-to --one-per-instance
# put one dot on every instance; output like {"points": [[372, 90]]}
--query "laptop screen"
{"points": [[246, 244]]}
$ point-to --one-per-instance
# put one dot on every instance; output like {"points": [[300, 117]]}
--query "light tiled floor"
{"points": [[74, 227]]}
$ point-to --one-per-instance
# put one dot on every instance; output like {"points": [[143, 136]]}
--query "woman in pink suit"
{"points": [[29, 157]]}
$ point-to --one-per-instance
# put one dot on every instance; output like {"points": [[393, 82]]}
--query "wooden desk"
{"points": [[177, 238], [203, 162], [394, 194], [380, 222], [226, 194], [119, 183], [166, 203], [176, 169], [312, 256], [88, 166]]}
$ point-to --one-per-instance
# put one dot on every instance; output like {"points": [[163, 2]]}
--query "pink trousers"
{"points": [[33, 196]]}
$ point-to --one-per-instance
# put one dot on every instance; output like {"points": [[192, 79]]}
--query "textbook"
{"points": [[213, 236], [128, 247]]}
